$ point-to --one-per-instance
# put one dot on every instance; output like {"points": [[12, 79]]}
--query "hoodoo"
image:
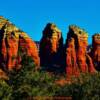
{"points": [[77, 59], [51, 46]]}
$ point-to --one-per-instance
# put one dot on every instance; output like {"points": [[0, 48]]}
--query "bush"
{"points": [[86, 87], [5, 90], [27, 82]]}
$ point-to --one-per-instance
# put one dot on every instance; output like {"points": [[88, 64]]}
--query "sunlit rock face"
{"points": [[12, 40], [95, 53], [51, 46], [77, 60]]}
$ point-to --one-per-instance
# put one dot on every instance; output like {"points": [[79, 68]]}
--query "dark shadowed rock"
{"points": [[51, 47], [95, 53]]}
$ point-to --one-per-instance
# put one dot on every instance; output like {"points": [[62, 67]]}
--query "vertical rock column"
{"points": [[71, 64], [77, 59], [50, 45]]}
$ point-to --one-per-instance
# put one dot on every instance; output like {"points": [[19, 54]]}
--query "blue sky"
{"points": [[32, 15]]}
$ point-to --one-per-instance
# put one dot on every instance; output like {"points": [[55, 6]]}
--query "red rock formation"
{"points": [[71, 68], [51, 45], [77, 60], [29, 47], [11, 40], [95, 53]]}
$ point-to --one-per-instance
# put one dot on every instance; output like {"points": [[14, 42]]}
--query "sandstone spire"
{"points": [[51, 46], [77, 59]]}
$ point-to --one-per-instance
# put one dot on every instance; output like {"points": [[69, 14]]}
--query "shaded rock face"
{"points": [[77, 60], [13, 42], [51, 46], [95, 53]]}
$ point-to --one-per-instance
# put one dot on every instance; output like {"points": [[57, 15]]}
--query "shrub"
{"points": [[86, 87], [5, 90], [27, 82]]}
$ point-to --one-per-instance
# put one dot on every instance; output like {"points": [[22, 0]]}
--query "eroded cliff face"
{"points": [[51, 46], [15, 43], [95, 52], [12, 40], [77, 59]]}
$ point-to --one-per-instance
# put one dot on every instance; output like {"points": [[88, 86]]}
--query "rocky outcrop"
{"points": [[51, 46], [14, 44], [77, 59], [95, 52], [13, 41]]}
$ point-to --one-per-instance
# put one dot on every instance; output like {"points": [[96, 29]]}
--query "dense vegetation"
{"points": [[28, 83]]}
